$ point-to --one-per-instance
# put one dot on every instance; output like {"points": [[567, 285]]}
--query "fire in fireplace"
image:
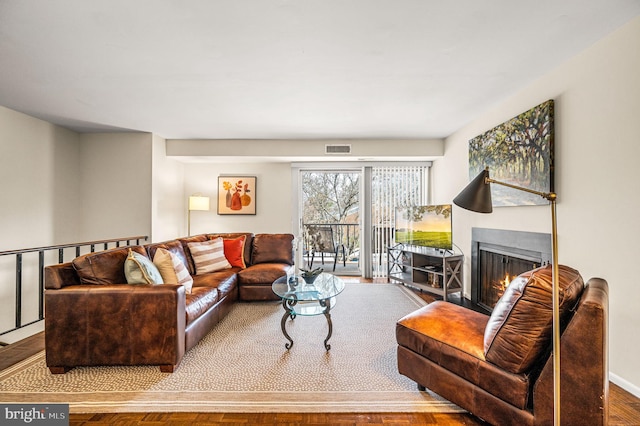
{"points": [[498, 256], [497, 270]]}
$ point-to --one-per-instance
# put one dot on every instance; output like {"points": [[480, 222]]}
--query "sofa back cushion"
{"points": [[519, 329], [173, 246], [104, 267], [272, 248]]}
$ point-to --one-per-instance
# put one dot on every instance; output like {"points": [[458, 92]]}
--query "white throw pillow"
{"points": [[139, 269]]}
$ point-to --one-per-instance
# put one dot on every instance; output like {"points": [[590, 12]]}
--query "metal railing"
{"points": [[92, 246], [347, 234]]}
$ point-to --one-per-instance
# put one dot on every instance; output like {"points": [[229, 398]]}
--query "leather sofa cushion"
{"points": [[262, 274], [452, 336], [272, 248], [199, 302], [104, 267], [225, 281], [519, 329]]}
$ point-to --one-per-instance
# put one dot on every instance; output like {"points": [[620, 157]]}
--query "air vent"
{"points": [[337, 149]]}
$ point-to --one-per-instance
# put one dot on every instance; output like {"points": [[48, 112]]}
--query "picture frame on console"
{"points": [[519, 152], [237, 195]]}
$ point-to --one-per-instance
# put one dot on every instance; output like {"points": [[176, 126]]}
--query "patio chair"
{"points": [[321, 241]]}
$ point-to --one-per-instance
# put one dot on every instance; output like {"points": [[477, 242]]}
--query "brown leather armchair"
{"points": [[500, 367]]}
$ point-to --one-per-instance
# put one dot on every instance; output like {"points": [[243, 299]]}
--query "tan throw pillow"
{"points": [[172, 269], [208, 256], [139, 269]]}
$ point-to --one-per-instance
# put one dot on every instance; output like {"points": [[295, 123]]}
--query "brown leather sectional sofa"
{"points": [[93, 317], [499, 367]]}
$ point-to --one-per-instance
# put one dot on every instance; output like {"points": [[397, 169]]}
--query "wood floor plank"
{"points": [[279, 419]]}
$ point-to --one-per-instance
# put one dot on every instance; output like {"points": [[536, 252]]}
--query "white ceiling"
{"points": [[285, 69]]}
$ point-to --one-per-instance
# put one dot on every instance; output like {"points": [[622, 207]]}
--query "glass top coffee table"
{"points": [[301, 298]]}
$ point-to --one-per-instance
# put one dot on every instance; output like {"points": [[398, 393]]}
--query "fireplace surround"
{"points": [[496, 253]]}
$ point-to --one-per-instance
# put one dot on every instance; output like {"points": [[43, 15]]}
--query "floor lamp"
{"points": [[196, 202], [477, 197]]}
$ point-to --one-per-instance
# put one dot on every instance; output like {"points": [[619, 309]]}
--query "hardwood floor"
{"points": [[624, 408], [293, 419]]}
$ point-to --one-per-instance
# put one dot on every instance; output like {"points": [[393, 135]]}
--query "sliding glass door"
{"points": [[345, 214], [330, 220]]}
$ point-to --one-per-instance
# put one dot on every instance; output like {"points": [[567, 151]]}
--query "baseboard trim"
{"points": [[625, 384]]}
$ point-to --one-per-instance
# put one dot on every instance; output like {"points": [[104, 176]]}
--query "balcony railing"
{"points": [[347, 234], [21, 266]]}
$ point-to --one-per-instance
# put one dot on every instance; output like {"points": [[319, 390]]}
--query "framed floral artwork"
{"points": [[236, 195]]}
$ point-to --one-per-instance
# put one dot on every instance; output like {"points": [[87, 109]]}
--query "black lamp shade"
{"points": [[477, 195]]}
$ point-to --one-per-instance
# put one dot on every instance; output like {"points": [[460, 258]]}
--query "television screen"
{"points": [[428, 226]]}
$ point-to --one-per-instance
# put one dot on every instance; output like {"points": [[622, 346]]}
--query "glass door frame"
{"points": [[365, 169], [297, 169]]}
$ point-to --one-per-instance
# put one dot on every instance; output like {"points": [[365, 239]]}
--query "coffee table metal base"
{"points": [[289, 312]]}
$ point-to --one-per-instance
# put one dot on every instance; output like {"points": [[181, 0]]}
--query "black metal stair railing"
{"points": [[92, 246]]}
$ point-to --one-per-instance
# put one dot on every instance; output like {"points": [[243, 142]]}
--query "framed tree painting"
{"points": [[518, 151], [236, 195]]}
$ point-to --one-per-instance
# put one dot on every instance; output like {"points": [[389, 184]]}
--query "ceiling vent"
{"points": [[337, 149]]}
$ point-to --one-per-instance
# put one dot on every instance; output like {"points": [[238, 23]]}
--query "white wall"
{"points": [[167, 201], [39, 204], [116, 176], [597, 125], [38, 177], [273, 198]]}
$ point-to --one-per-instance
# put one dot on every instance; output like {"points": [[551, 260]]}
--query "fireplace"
{"points": [[498, 256]]}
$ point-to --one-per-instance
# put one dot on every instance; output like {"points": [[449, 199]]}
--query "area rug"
{"points": [[242, 365]]}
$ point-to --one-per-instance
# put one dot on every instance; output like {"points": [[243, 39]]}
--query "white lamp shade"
{"points": [[197, 202]]}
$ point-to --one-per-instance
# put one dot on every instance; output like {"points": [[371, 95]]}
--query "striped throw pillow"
{"points": [[208, 256], [172, 269]]}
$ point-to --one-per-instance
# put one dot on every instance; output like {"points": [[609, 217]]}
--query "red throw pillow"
{"points": [[234, 251]]}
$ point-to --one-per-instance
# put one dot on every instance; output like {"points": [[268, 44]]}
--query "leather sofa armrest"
{"points": [[60, 275], [117, 324], [584, 356]]}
